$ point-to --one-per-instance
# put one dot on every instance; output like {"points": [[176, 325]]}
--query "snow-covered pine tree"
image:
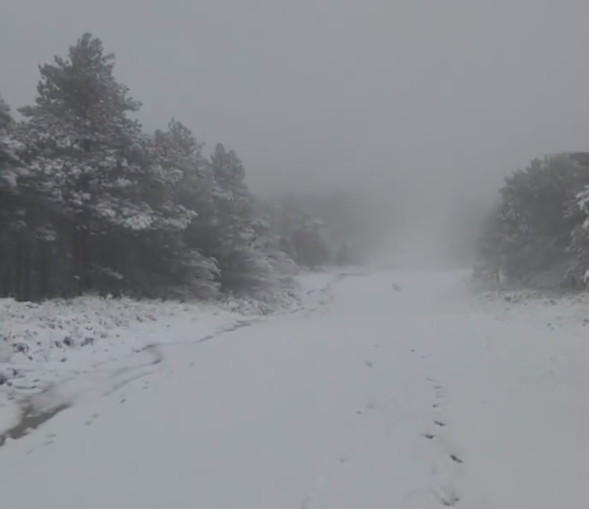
{"points": [[24, 219], [249, 262], [92, 162], [12, 225], [79, 142], [279, 267], [9, 160], [577, 214], [178, 156], [230, 240]]}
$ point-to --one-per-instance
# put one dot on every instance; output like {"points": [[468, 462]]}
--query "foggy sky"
{"points": [[439, 96]]}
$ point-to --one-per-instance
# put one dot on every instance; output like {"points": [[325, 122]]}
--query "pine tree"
{"points": [[249, 257], [88, 202], [82, 148], [178, 157], [12, 226], [8, 157], [94, 165], [232, 246]]}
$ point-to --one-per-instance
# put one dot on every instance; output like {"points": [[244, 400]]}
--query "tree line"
{"points": [[538, 233], [89, 202]]}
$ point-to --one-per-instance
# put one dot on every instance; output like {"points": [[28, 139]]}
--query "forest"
{"points": [[91, 203]]}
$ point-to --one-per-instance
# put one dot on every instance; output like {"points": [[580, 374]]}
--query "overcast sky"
{"points": [[448, 92]]}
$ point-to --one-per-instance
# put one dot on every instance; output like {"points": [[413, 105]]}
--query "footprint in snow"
{"points": [[447, 496], [440, 393], [50, 439], [92, 418]]}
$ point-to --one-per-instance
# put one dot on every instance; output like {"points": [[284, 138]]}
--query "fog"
{"points": [[424, 105]]}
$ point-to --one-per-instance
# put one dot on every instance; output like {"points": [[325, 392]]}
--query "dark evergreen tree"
{"points": [[177, 154], [89, 203], [534, 236], [245, 267]]}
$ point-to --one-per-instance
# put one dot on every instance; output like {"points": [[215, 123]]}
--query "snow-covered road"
{"points": [[400, 393]]}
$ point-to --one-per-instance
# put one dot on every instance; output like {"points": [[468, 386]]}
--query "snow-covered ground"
{"points": [[387, 390], [94, 343]]}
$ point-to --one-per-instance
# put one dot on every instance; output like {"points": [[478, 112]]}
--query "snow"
{"points": [[46, 342], [58, 341], [385, 390]]}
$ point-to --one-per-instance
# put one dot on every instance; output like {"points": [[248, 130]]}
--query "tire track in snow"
{"points": [[39, 408]]}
